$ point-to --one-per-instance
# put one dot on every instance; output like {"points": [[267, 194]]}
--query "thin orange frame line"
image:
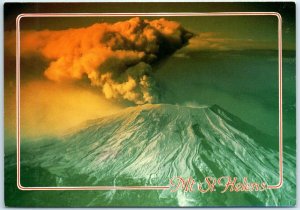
{"points": [[195, 14]]}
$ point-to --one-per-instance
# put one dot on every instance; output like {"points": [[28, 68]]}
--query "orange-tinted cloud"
{"points": [[115, 57], [48, 108], [214, 42]]}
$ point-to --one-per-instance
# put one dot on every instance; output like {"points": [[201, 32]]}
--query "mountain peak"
{"points": [[164, 108], [156, 112], [151, 143]]}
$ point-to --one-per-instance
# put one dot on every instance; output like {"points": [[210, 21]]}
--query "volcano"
{"points": [[149, 144]]}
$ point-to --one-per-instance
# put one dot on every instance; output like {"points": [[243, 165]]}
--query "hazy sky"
{"points": [[73, 69], [238, 28]]}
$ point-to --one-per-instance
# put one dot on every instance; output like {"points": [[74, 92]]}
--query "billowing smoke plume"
{"points": [[115, 57]]}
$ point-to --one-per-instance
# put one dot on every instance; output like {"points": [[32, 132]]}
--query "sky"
{"points": [[75, 69]]}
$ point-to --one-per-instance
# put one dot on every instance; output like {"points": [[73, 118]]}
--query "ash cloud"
{"points": [[117, 57]]}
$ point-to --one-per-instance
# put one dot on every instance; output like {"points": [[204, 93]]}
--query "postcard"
{"points": [[150, 104]]}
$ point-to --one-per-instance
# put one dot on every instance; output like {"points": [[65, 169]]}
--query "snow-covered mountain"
{"points": [[149, 144]]}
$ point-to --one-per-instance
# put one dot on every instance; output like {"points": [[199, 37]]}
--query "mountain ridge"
{"points": [[149, 144]]}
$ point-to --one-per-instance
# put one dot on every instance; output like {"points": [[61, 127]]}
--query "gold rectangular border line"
{"points": [[193, 14]]}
